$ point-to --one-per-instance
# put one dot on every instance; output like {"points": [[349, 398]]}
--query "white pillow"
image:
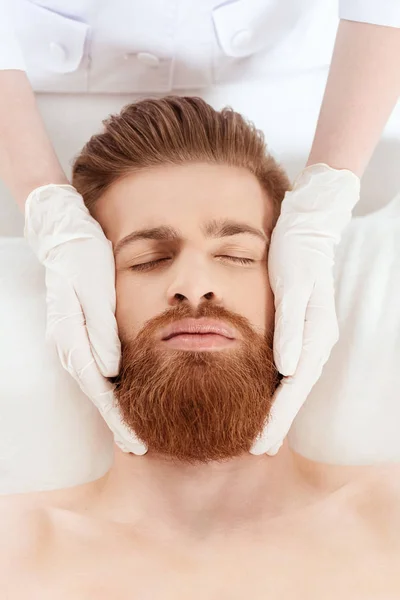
{"points": [[352, 415], [51, 436]]}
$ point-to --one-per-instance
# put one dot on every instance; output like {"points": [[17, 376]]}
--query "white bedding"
{"points": [[352, 415]]}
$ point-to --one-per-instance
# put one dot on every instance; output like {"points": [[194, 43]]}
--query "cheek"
{"points": [[254, 299], [132, 305], [263, 303]]}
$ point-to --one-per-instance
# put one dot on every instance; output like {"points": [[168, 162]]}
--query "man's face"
{"points": [[197, 256]]}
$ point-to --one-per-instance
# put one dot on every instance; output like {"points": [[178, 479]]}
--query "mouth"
{"points": [[198, 334]]}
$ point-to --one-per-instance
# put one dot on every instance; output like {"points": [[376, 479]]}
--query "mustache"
{"points": [[185, 311]]}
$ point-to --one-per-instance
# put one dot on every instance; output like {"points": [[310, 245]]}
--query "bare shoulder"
{"points": [[379, 502], [384, 485], [24, 525]]}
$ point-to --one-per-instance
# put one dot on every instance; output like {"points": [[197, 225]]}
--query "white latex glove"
{"points": [[80, 284], [301, 258]]}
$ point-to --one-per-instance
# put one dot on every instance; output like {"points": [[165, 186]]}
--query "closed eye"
{"points": [[239, 259], [154, 263]]}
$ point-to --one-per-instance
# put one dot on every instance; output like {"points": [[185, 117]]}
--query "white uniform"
{"points": [[157, 46]]}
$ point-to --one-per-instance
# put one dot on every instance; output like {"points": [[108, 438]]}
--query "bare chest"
{"points": [[311, 560]]}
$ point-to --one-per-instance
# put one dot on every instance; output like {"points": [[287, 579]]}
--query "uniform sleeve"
{"points": [[376, 12], [11, 56]]}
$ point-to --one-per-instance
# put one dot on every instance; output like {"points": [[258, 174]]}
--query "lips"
{"points": [[197, 327]]}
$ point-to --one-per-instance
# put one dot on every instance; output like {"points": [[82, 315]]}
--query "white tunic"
{"points": [[157, 46]]}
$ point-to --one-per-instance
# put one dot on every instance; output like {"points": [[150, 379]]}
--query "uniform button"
{"points": [[58, 52], [150, 60], [242, 39]]}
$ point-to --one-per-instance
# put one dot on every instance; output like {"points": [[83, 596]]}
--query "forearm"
{"points": [[362, 89], [27, 158]]}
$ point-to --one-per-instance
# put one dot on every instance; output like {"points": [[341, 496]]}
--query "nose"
{"points": [[193, 285], [178, 298]]}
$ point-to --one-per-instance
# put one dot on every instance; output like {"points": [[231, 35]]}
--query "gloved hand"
{"points": [[301, 258], [80, 283]]}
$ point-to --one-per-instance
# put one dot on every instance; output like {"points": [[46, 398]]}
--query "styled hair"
{"points": [[174, 130]]}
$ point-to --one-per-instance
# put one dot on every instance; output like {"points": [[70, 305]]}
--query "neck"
{"points": [[155, 490]]}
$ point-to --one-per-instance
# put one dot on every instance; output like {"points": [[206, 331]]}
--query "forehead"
{"points": [[184, 196]]}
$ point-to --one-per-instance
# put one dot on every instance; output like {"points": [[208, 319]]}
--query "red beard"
{"points": [[197, 406]]}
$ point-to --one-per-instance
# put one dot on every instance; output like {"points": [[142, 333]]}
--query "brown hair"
{"points": [[174, 130]]}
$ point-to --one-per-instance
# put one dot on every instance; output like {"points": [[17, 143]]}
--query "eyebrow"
{"points": [[211, 229]]}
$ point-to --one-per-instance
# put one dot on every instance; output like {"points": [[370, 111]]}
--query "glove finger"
{"points": [[96, 294], [260, 448], [66, 325], [96, 304], [320, 333], [321, 330], [124, 437], [275, 449], [76, 357], [290, 314]]}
